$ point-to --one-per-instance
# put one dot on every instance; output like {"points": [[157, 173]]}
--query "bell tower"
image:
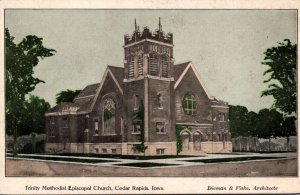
{"points": [[148, 77], [148, 53]]}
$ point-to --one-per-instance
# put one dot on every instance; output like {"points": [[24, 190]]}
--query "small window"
{"points": [[51, 132], [160, 151], [96, 150], [160, 127], [65, 122], [104, 150], [137, 125], [221, 116], [96, 124], [135, 102], [159, 100], [113, 150], [52, 121], [189, 104]]}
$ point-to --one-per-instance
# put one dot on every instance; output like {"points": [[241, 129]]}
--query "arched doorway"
{"points": [[185, 138], [197, 141]]}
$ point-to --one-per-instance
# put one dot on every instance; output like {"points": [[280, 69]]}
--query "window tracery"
{"points": [[189, 104], [109, 116]]}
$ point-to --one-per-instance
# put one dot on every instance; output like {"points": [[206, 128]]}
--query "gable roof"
{"points": [[117, 76], [118, 72], [88, 91], [190, 65], [178, 69], [218, 103], [59, 107]]}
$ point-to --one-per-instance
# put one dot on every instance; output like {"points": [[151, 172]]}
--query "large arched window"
{"points": [[153, 64], [140, 65], [165, 66], [189, 104], [109, 116], [130, 60]]}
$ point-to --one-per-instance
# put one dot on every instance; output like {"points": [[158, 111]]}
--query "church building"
{"points": [[176, 112]]}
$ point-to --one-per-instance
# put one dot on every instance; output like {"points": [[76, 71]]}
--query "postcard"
{"points": [[149, 97]]}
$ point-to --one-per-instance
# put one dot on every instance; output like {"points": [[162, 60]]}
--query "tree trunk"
{"points": [[288, 143], [247, 144], [33, 135], [269, 144], [15, 136]]}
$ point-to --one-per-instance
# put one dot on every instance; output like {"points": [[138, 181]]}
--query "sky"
{"points": [[226, 46]]}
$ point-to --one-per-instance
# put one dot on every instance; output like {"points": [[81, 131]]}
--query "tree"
{"points": [[288, 129], [66, 96], [269, 123], [238, 121], [34, 121], [20, 59], [281, 61]]}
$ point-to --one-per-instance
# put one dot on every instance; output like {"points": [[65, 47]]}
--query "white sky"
{"points": [[226, 46]]}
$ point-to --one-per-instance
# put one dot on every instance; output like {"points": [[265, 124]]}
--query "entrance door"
{"points": [[197, 141], [185, 137]]}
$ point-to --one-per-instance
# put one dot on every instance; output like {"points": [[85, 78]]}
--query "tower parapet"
{"points": [[157, 35]]}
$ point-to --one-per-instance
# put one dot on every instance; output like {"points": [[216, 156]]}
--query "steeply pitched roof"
{"points": [[179, 68], [216, 102], [88, 90], [85, 105], [60, 106], [118, 72]]}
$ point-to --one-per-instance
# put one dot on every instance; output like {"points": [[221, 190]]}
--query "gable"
{"points": [[190, 84], [108, 84], [179, 69], [192, 75]]}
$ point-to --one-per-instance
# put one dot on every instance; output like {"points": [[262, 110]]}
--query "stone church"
{"points": [[178, 111]]}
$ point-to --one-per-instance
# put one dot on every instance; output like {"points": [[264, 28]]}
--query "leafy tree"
{"points": [[20, 59], [34, 121], [281, 61], [288, 129], [66, 96], [269, 123], [238, 121]]}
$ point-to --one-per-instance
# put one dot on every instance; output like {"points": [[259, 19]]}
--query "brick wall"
{"points": [[163, 113], [190, 84]]}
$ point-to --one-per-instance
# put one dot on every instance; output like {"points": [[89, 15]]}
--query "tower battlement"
{"points": [[157, 35]]}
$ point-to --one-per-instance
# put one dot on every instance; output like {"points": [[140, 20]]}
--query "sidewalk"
{"points": [[176, 162]]}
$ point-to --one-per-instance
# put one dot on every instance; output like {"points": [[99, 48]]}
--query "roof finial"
{"points": [[135, 26], [159, 25]]}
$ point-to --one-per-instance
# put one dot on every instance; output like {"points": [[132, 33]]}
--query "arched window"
{"points": [[165, 66], [130, 60], [140, 65], [135, 102], [109, 116], [153, 64], [189, 104]]}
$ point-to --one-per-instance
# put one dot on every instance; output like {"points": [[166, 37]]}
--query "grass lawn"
{"points": [[146, 164], [216, 160], [118, 156], [63, 159]]}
